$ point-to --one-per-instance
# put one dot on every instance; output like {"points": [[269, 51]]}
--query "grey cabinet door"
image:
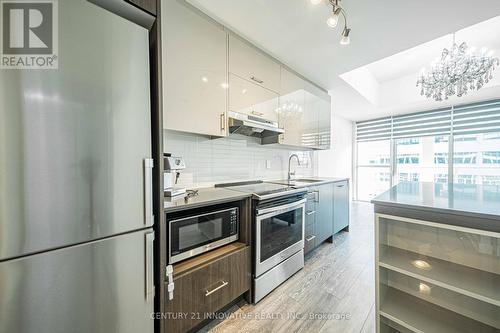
{"points": [[324, 212], [341, 206], [101, 287]]}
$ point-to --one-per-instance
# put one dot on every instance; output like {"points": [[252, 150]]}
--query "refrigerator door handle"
{"points": [[150, 288], [148, 192]]}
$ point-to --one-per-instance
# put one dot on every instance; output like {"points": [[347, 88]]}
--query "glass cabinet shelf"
{"points": [[433, 277]]}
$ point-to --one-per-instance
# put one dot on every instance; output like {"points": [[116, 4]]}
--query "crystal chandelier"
{"points": [[456, 72]]}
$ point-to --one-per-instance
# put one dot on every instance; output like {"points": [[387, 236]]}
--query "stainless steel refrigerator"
{"points": [[76, 237]]}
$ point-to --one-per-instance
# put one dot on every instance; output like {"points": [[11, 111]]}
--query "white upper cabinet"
{"points": [[304, 113], [325, 124], [252, 99], [291, 112], [194, 50], [249, 63], [319, 102]]}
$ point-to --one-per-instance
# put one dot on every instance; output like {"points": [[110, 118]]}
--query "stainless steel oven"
{"points": [[279, 231], [198, 231]]}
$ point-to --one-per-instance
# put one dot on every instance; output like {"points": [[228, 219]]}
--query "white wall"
{"points": [[235, 158], [337, 162]]}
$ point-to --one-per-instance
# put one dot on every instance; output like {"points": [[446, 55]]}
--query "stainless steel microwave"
{"points": [[195, 233]]}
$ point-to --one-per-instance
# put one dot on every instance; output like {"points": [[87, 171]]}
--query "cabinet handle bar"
{"points": [[224, 283], [257, 79]]}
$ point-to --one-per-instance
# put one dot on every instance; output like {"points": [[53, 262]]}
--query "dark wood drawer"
{"points": [[207, 289]]}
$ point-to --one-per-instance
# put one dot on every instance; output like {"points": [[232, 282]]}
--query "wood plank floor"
{"points": [[333, 293]]}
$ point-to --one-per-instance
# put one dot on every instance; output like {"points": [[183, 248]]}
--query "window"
{"points": [[491, 180], [440, 158], [491, 157], [465, 138], [408, 158], [464, 158], [459, 144], [441, 178], [466, 179], [410, 141], [491, 136], [441, 138], [419, 162], [412, 177], [373, 169], [476, 161]]}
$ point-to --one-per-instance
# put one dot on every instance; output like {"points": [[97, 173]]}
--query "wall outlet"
{"points": [[268, 164]]}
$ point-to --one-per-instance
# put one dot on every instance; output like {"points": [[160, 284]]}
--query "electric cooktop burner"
{"points": [[262, 190]]}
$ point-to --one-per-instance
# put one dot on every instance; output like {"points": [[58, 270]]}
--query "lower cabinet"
{"points": [[327, 212], [203, 290], [324, 212], [310, 225], [340, 206], [319, 216]]}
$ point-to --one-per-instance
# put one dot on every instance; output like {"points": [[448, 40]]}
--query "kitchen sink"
{"points": [[306, 180], [300, 181]]}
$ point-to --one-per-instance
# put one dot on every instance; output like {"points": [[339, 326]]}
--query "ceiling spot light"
{"points": [[345, 40], [204, 79], [333, 20], [224, 85]]}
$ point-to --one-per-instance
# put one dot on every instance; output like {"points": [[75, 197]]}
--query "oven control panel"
{"points": [[234, 222]]}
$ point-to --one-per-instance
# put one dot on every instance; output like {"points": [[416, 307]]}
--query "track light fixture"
{"points": [[333, 20]]}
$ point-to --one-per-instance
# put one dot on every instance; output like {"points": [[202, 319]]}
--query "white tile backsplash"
{"points": [[235, 158]]}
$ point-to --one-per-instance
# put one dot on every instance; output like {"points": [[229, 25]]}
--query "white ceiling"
{"points": [[294, 31]]}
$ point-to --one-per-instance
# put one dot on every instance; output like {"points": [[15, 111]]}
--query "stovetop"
{"points": [[262, 190]]}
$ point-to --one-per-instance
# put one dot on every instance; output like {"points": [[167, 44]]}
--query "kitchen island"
{"points": [[438, 258]]}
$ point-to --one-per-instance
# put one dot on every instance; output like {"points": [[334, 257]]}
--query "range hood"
{"points": [[240, 123]]}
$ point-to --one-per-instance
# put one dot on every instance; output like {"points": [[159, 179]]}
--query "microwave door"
{"points": [[194, 235]]}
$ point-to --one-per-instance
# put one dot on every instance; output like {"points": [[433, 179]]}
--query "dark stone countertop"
{"points": [[206, 196], [481, 201]]}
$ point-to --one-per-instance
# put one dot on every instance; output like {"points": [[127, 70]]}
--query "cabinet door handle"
{"points": [[257, 113], [316, 199], [222, 122], [224, 283], [310, 212], [148, 192], [256, 79], [340, 185], [310, 238], [150, 288]]}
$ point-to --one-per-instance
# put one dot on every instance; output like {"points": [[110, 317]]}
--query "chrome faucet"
{"points": [[290, 174]]}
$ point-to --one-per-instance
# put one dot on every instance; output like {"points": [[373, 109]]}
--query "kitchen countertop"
{"points": [[317, 181], [482, 201], [206, 196]]}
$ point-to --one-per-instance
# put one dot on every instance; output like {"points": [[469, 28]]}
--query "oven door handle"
{"points": [[281, 209]]}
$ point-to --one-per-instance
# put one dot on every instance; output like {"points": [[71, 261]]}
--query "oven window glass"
{"points": [[279, 232], [199, 233]]}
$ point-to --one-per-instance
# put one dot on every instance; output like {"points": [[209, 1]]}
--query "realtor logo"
{"points": [[29, 34]]}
